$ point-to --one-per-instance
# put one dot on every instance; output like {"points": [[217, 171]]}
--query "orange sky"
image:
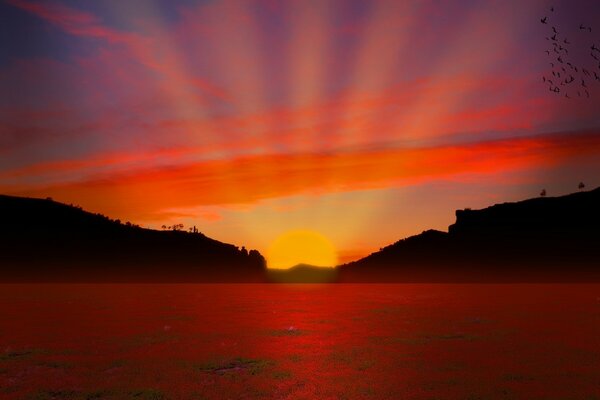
{"points": [[366, 122]]}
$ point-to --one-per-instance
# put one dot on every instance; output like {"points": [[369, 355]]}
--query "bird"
{"points": [[587, 94], [593, 56], [551, 9], [565, 41], [554, 30], [585, 71], [567, 95], [581, 27], [553, 37], [544, 20], [583, 84], [548, 52], [596, 76], [559, 59], [543, 79], [594, 48], [556, 89]]}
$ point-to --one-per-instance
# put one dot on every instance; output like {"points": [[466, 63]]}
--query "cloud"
{"points": [[253, 178], [153, 52]]}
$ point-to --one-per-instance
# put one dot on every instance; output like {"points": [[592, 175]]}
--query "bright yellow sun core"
{"points": [[301, 247]]}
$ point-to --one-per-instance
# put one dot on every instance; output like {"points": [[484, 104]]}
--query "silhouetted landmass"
{"points": [[43, 240], [303, 273], [543, 239]]}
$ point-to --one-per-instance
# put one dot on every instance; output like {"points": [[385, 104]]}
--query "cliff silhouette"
{"points": [[46, 241], [546, 239]]}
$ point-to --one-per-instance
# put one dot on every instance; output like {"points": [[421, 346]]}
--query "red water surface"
{"points": [[300, 341]]}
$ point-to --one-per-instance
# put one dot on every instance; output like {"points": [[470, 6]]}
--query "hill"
{"points": [[303, 273], [543, 239], [43, 240]]}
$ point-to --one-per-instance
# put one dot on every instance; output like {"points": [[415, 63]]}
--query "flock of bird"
{"points": [[566, 77]]}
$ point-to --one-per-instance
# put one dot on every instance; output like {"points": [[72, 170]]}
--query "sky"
{"points": [[364, 121]]}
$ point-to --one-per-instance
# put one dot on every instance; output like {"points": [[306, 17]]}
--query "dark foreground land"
{"points": [[552, 239], [255, 341]]}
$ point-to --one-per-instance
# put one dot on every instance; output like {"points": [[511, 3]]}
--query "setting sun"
{"points": [[301, 247]]}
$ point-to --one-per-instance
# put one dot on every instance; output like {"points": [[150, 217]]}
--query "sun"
{"points": [[301, 247]]}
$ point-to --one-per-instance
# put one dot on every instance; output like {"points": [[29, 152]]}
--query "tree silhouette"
{"points": [[543, 193], [581, 186], [177, 227]]}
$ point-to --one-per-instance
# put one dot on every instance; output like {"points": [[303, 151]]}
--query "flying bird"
{"points": [[583, 84], [544, 20], [554, 30]]}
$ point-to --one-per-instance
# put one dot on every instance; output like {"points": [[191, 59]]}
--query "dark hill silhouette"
{"points": [[303, 273], [543, 239], [43, 240]]}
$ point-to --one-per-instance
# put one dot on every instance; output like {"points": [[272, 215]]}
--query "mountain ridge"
{"points": [[540, 239], [44, 240], [534, 240]]}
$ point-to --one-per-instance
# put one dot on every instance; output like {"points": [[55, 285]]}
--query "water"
{"points": [[299, 341]]}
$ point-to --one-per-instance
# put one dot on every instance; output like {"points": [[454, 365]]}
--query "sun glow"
{"points": [[301, 247]]}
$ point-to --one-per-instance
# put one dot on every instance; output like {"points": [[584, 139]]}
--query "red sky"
{"points": [[365, 121]]}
